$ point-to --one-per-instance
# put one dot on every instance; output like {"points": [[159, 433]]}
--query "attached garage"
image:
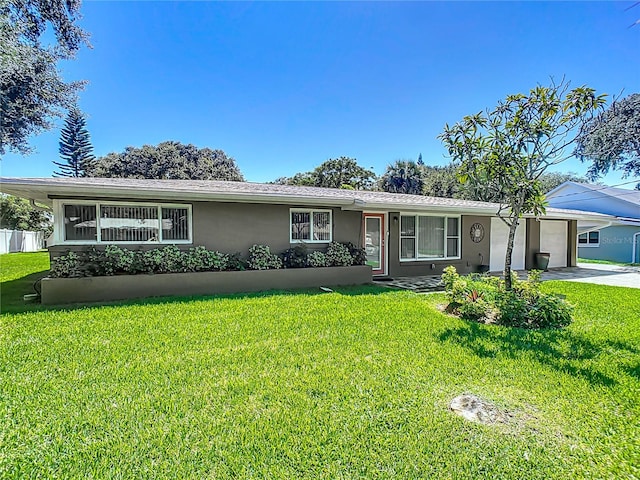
{"points": [[499, 237], [554, 239]]}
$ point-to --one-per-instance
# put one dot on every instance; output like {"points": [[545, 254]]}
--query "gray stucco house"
{"points": [[618, 241], [403, 235]]}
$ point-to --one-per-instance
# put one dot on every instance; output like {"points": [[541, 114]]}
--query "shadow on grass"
{"points": [[562, 350], [12, 291]]}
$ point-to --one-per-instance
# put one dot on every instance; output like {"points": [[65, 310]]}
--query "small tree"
{"points": [[612, 139], [75, 147], [507, 149]]}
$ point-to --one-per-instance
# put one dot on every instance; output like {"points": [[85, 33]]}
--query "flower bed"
{"points": [[118, 273]]}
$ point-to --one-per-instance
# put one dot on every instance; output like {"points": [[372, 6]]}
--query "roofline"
{"points": [[44, 191]]}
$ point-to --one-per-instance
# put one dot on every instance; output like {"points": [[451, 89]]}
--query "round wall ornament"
{"points": [[477, 232]]}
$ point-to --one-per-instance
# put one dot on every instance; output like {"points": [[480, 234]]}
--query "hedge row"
{"points": [[115, 260]]}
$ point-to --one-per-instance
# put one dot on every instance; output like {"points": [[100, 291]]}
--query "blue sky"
{"points": [[282, 87]]}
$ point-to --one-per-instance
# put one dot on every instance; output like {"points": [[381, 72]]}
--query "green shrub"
{"points": [[199, 259], [338, 255], [295, 257], [359, 255], [261, 258], [65, 266], [317, 259], [236, 262], [485, 298]]}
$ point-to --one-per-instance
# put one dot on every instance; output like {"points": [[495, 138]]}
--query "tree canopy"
{"points": [[32, 91], [403, 176], [168, 160], [342, 172], [76, 150], [504, 151], [18, 214], [611, 141]]}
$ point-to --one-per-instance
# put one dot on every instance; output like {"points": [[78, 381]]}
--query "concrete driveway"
{"points": [[595, 273], [584, 272]]}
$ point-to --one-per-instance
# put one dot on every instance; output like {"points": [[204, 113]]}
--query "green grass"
{"points": [[351, 384], [18, 273], [606, 262]]}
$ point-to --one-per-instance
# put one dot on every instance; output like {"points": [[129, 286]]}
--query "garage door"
{"points": [[499, 237], [553, 239]]}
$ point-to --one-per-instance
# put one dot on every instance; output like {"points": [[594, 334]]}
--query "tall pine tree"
{"points": [[75, 147]]}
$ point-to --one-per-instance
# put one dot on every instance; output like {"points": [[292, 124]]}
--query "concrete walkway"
{"points": [[585, 272], [615, 275]]}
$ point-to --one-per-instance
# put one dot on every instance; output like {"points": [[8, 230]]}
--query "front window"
{"points": [[425, 237], [115, 222], [313, 226], [80, 222], [589, 239]]}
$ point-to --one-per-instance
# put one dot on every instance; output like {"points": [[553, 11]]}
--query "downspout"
{"points": [[634, 258]]}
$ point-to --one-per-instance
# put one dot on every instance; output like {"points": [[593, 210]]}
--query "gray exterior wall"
{"points": [[473, 254], [235, 227], [532, 243], [616, 245]]}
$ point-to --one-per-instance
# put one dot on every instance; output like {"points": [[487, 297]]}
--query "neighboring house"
{"points": [[403, 235], [619, 242]]}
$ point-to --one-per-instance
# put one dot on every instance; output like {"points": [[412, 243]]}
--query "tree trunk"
{"points": [[507, 259]]}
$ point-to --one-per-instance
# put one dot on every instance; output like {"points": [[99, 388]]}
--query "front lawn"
{"points": [[350, 384], [607, 262]]}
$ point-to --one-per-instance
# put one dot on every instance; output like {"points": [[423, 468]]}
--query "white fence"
{"points": [[20, 241]]}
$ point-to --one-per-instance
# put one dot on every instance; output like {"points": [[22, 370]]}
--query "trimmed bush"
{"points": [[358, 254], [66, 266], [317, 259], [485, 299], [295, 257], [261, 258], [114, 260], [338, 255]]}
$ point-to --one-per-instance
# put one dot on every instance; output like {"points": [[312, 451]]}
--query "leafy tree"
{"points": [[334, 173], [403, 176], [612, 139], [442, 182], [32, 91], [75, 147], [305, 179], [18, 214], [168, 160], [507, 149]]}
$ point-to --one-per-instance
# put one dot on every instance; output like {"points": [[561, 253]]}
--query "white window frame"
{"points": [[59, 230], [416, 235], [588, 244], [311, 211]]}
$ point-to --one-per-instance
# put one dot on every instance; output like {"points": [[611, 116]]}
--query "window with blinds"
{"points": [[424, 237], [111, 222], [313, 226]]}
